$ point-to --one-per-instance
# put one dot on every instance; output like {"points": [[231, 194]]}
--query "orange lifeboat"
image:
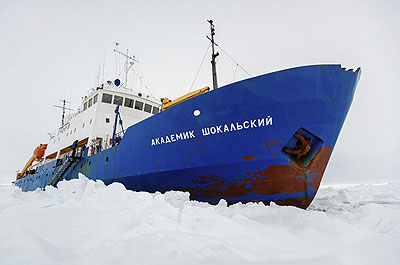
{"points": [[38, 153]]}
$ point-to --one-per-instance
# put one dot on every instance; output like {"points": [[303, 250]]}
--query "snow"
{"points": [[86, 222]]}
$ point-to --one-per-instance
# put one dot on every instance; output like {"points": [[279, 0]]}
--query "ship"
{"points": [[262, 139]]}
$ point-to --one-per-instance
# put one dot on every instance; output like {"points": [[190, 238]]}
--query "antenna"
{"points": [[214, 55], [63, 108], [104, 65], [97, 78], [129, 62]]}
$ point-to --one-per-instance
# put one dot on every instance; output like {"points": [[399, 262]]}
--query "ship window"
{"points": [[128, 103], [75, 130], [83, 125], [138, 105], [90, 121], [147, 108], [107, 98], [107, 120], [90, 102], [85, 106], [95, 99], [118, 100], [155, 110], [67, 134]]}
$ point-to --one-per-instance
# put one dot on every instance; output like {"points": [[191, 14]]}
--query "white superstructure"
{"points": [[94, 120]]}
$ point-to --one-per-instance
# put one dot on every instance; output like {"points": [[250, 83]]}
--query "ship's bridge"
{"points": [[92, 124]]}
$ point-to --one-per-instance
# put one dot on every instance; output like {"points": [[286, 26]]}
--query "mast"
{"points": [[213, 56], [63, 108], [129, 62], [126, 68]]}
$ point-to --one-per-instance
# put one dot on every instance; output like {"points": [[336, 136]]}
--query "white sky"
{"points": [[50, 50]]}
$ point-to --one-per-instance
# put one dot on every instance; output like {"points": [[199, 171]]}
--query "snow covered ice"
{"points": [[86, 222]]}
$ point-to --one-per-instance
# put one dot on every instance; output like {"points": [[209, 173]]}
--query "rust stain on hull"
{"points": [[248, 157], [276, 179]]}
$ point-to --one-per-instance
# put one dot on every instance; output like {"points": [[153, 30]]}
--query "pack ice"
{"points": [[86, 222]]}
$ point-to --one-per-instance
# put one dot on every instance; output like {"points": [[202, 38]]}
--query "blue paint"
{"points": [[312, 98]]}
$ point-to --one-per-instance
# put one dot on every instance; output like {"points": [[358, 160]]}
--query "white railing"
{"points": [[59, 130]]}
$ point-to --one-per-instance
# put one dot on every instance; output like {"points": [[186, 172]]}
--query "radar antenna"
{"points": [[129, 62], [214, 55], [63, 108]]}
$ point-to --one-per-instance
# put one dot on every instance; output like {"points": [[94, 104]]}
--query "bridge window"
{"points": [[85, 106], [147, 108], [95, 99], [155, 110], [118, 100], [90, 102], [107, 98], [138, 105], [128, 103]]}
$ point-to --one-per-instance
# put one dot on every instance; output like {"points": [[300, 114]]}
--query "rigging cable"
{"points": [[142, 82], [233, 60], [202, 61], [234, 73], [116, 63]]}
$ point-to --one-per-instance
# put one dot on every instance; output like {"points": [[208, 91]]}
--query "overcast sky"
{"points": [[51, 50]]}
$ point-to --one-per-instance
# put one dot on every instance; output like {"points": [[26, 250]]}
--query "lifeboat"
{"points": [[38, 153]]}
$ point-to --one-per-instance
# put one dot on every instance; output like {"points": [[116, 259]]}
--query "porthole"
{"points": [[107, 159], [196, 113]]}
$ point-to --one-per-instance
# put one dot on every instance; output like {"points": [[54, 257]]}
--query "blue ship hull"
{"points": [[236, 149]]}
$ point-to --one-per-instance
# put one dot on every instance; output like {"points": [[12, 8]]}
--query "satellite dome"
{"points": [[117, 82]]}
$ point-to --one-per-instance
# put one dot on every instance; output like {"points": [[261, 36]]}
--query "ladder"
{"points": [[63, 169]]}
